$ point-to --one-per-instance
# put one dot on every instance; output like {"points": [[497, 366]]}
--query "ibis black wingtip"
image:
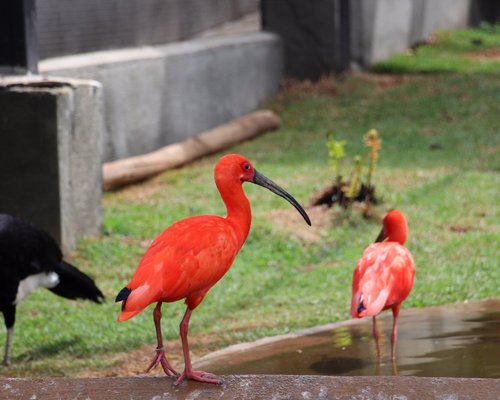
{"points": [[123, 294]]}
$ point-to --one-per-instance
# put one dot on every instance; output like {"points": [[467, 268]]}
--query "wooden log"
{"points": [[134, 169]]}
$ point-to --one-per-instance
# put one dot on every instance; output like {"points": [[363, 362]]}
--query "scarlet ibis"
{"points": [[190, 256], [384, 275], [30, 258]]}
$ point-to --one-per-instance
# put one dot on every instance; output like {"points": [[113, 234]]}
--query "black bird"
{"points": [[30, 258]]}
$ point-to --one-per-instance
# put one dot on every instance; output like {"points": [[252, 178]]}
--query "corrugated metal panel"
{"points": [[79, 26]]}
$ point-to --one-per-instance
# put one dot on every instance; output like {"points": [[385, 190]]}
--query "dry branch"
{"points": [[134, 169]]}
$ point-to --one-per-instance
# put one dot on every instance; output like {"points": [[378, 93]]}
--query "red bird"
{"points": [[190, 256], [384, 275]]}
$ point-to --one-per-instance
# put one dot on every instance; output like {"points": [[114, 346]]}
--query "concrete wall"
{"points": [[432, 15], [391, 28], [160, 95], [80, 26], [383, 27], [375, 29], [50, 153], [308, 32]]}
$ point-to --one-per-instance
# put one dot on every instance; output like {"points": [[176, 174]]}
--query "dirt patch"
{"points": [[485, 55], [135, 362], [460, 228], [490, 149], [137, 193], [293, 224], [407, 178], [313, 267], [385, 81], [325, 86], [292, 91]]}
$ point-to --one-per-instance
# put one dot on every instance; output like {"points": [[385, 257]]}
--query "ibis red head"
{"points": [[395, 228], [233, 167]]}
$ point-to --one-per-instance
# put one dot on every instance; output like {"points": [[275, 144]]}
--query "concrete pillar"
{"points": [[308, 31], [50, 155], [444, 14], [382, 28]]}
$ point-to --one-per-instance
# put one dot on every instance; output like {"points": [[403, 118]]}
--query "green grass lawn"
{"points": [[470, 50], [440, 164]]}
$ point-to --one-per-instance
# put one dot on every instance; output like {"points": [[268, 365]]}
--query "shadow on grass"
{"points": [[53, 349]]}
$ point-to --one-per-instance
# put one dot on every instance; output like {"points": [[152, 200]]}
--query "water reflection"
{"points": [[456, 341]]}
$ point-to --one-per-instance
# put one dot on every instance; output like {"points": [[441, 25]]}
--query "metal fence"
{"points": [[79, 26]]}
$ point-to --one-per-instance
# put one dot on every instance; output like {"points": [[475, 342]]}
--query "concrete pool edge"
{"points": [[253, 387]]}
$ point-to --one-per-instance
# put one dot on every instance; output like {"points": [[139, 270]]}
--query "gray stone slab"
{"points": [[391, 29], [155, 96], [445, 14], [50, 152], [308, 31], [380, 28]]}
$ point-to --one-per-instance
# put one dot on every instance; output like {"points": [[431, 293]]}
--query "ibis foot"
{"points": [[161, 358], [200, 376]]}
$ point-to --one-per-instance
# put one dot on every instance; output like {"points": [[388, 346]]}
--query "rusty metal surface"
{"points": [[278, 387]]}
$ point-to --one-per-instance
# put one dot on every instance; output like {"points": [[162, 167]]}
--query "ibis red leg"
{"points": [[160, 357], [189, 373]]}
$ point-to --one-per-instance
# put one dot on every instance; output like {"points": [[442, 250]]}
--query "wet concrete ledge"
{"points": [[276, 387]]}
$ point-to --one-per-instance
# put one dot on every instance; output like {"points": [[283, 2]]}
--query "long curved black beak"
{"points": [[263, 181], [381, 236]]}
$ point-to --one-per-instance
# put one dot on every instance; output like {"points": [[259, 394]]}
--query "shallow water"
{"points": [[460, 340]]}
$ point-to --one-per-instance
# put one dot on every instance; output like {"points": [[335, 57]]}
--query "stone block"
{"points": [[254, 387], [385, 28], [156, 96], [444, 14], [308, 31], [50, 155]]}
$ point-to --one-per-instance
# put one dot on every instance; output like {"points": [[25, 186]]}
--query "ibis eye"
{"points": [[246, 166]]}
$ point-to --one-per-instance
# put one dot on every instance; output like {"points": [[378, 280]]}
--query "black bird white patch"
{"points": [[31, 283]]}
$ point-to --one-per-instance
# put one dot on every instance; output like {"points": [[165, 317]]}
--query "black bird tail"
{"points": [[74, 284]]}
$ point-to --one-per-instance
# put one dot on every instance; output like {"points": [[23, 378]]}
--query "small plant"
{"points": [[352, 189], [346, 192], [336, 152], [373, 141]]}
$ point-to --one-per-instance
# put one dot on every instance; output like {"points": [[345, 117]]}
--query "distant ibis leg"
{"points": [[188, 373], [394, 336], [376, 336], [160, 357]]}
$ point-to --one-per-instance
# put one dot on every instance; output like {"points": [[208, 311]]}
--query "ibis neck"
{"points": [[398, 236], [239, 213]]}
